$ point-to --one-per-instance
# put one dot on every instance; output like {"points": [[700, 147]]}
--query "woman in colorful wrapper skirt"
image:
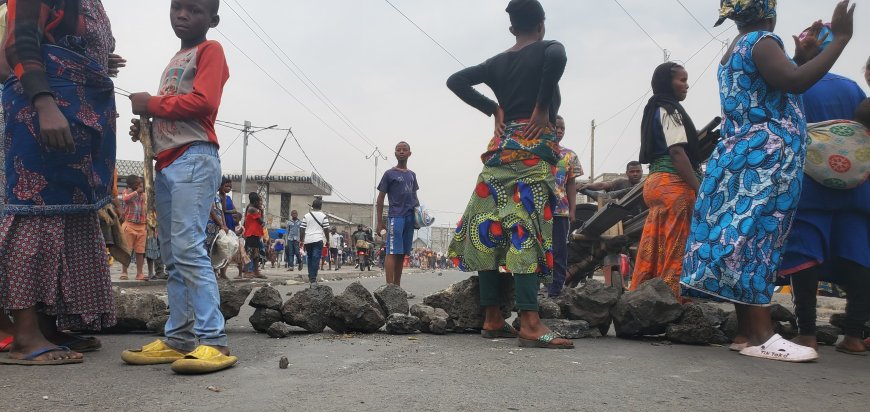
{"points": [[508, 222]]}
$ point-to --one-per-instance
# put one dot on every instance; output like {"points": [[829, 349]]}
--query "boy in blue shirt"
{"points": [[400, 184]]}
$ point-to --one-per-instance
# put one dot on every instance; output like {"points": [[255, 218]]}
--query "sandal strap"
{"points": [[39, 352], [548, 337]]}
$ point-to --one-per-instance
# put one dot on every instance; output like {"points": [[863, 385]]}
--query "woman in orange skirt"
{"points": [[669, 146]]}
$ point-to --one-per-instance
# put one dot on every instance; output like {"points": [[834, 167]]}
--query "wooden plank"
{"points": [[148, 166]]}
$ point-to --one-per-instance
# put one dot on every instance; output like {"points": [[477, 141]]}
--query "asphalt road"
{"points": [[434, 373]]}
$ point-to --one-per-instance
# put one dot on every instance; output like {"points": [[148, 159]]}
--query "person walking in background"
{"points": [[254, 221], [400, 185], [134, 223], [188, 174], [279, 250], [567, 171], [231, 215], [752, 183], [508, 222], [312, 234], [361, 241], [669, 144], [271, 257], [294, 257], [60, 157], [334, 249]]}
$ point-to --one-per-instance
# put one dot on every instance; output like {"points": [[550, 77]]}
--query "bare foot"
{"points": [[494, 325], [853, 344], [806, 340], [22, 347]]}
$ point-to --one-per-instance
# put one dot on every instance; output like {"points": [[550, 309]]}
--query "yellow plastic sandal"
{"points": [[203, 359], [154, 353]]}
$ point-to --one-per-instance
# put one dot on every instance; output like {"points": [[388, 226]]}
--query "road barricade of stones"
{"points": [[590, 310], [137, 311]]}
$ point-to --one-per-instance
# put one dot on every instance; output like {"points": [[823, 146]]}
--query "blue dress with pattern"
{"points": [[751, 186]]}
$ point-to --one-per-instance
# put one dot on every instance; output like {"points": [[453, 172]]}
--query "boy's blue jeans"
{"points": [[294, 257], [185, 191], [313, 254]]}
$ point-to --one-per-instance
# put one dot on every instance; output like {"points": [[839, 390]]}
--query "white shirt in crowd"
{"points": [[335, 241], [314, 230]]}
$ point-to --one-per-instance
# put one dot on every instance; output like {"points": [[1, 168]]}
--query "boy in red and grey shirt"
{"points": [[187, 178]]}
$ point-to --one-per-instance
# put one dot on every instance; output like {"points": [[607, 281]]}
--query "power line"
{"points": [[329, 101], [328, 105], [231, 125], [304, 106], [708, 43], [290, 132], [340, 113], [715, 38], [274, 151], [232, 143], [228, 126], [628, 106], [424, 32], [639, 26], [696, 19], [715, 57], [298, 144], [624, 129]]}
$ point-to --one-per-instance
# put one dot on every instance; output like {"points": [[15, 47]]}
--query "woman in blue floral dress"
{"points": [[752, 183]]}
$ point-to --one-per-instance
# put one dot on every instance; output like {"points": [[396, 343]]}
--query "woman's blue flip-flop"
{"points": [[29, 359]]}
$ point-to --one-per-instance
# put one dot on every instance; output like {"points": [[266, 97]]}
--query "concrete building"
{"points": [[286, 192], [440, 238]]}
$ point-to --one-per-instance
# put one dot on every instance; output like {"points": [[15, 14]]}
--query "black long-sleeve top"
{"points": [[520, 80]]}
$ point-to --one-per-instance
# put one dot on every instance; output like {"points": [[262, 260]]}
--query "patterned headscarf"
{"points": [[744, 12]]}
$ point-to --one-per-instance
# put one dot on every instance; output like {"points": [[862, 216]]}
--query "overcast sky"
{"points": [[388, 78]]}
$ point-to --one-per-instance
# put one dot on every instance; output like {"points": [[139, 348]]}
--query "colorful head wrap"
{"points": [[744, 12]]}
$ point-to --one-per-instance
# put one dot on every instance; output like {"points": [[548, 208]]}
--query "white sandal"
{"points": [[777, 348]]}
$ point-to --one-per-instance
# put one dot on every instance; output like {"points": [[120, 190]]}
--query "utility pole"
{"points": [[592, 161], [667, 54], [376, 154], [247, 132]]}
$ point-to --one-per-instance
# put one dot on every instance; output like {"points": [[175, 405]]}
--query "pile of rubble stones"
{"points": [[590, 310]]}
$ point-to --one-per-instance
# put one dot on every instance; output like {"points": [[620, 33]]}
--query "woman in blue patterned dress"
{"points": [[60, 158], [752, 183]]}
